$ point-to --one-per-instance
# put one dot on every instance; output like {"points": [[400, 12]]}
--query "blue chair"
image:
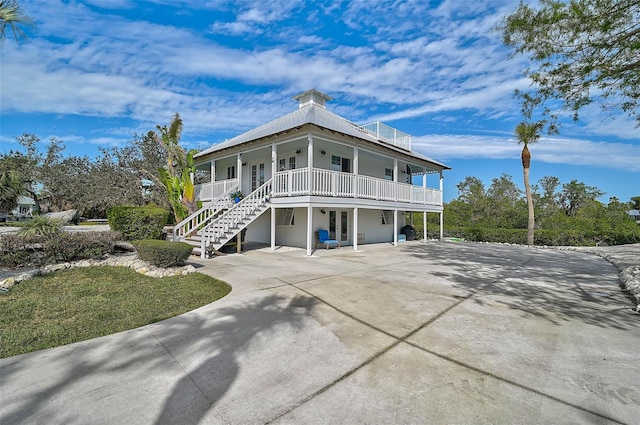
{"points": [[323, 237]]}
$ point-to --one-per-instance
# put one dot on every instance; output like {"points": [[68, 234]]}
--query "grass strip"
{"points": [[87, 302]]}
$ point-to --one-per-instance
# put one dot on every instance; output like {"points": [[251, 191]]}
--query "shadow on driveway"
{"points": [[554, 285], [198, 354]]}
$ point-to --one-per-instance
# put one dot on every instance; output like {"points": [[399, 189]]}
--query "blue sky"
{"points": [[98, 71]]}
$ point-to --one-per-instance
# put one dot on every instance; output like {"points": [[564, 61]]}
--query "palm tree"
{"points": [[528, 133], [11, 188], [170, 138], [12, 15], [177, 177]]}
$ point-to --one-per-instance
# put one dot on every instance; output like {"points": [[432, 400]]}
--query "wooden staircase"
{"points": [[228, 223], [196, 221]]}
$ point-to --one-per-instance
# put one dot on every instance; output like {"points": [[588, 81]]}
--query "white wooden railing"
{"points": [[292, 182], [347, 185], [214, 189], [201, 217]]}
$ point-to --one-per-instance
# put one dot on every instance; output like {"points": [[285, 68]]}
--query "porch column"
{"points": [[310, 166], [355, 172], [424, 227], [395, 227], [395, 179], [441, 188], [273, 228], [309, 229], [274, 159], [424, 187], [442, 204], [355, 228], [239, 171], [213, 170]]}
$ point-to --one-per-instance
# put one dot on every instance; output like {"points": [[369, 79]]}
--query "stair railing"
{"points": [[199, 218], [228, 221]]}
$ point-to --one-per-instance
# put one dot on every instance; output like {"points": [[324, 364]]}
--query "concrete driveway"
{"points": [[423, 333]]}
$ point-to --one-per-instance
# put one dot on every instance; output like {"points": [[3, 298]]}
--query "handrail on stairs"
{"points": [[196, 220], [234, 215]]}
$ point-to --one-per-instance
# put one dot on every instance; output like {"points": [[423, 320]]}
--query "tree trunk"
{"points": [[531, 221], [526, 157]]}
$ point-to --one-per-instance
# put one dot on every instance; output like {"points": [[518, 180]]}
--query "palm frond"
{"points": [[12, 15]]}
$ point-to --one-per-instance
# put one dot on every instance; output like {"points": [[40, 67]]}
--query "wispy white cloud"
{"points": [[253, 16], [553, 150], [406, 59]]}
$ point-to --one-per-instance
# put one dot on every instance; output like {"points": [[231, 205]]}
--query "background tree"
{"points": [[471, 205], [528, 133], [581, 50], [576, 195], [126, 175], [13, 17], [505, 203]]}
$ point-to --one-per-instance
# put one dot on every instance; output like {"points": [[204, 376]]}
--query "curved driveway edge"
{"points": [[422, 333], [626, 258]]}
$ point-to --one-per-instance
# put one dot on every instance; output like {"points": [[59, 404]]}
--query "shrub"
{"points": [[163, 253], [36, 251], [40, 225], [138, 222], [21, 250], [549, 237], [80, 246]]}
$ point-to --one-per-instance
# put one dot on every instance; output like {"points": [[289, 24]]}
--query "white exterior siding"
{"points": [[295, 235], [222, 166], [374, 166], [370, 223], [259, 230]]}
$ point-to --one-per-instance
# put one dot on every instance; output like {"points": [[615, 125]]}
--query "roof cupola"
{"points": [[312, 97]]}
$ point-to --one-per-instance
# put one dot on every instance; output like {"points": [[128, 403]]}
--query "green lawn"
{"points": [[88, 302]]}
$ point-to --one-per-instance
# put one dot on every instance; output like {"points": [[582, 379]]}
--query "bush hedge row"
{"points": [[163, 253], [138, 222], [586, 237], [38, 250]]}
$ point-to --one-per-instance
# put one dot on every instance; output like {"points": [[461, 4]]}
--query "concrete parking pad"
{"points": [[421, 333]]}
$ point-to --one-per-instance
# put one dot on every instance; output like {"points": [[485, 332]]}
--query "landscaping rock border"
{"points": [[131, 260]]}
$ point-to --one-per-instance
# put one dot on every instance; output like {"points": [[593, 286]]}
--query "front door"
{"points": [[257, 175], [339, 226]]}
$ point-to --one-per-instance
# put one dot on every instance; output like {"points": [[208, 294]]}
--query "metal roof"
{"points": [[310, 114]]}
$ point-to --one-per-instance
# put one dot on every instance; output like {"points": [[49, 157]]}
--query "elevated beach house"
{"points": [[307, 171]]}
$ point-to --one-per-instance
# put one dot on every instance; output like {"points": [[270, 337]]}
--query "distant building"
{"points": [[25, 208], [634, 214]]}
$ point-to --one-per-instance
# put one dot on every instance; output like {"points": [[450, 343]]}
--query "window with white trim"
{"points": [[340, 164], [284, 217], [282, 164], [388, 174], [231, 172], [387, 217]]}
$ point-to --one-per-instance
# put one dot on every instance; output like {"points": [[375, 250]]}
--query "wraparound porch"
{"points": [[328, 183]]}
